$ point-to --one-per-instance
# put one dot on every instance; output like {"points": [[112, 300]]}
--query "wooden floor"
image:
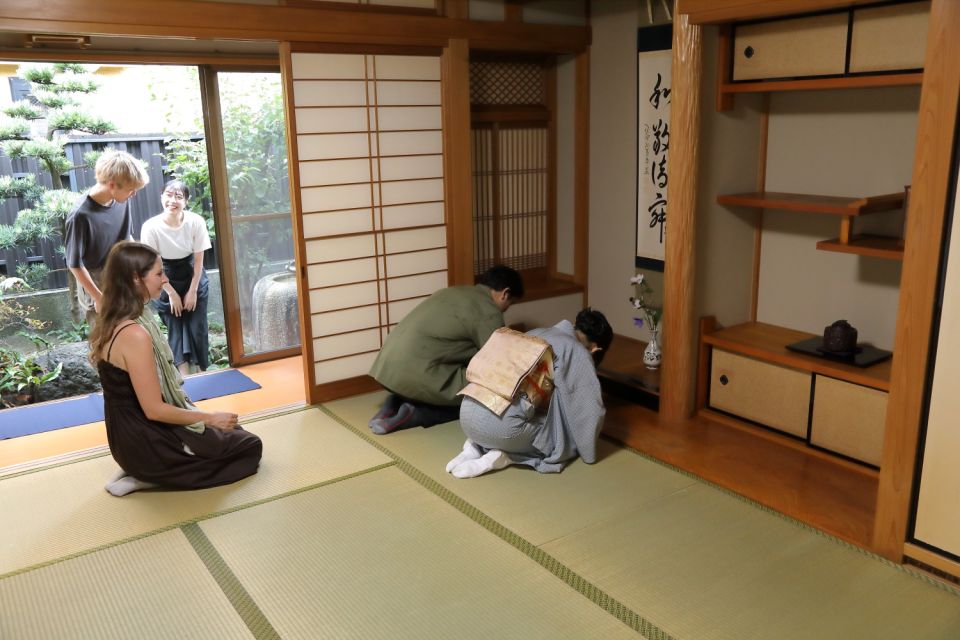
{"points": [[281, 383], [817, 488]]}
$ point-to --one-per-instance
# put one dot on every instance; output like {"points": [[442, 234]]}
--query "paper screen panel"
{"points": [[408, 118], [334, 249], [415, 286], [329, 93], [407, 67], [328, 65], [415, 239], [410, 167], [333, 322], [332, 172], [327, 146], [336, 197], [346, 344], [332, 119], [345, 297], [412, 215], [343, 368], [407, 191], [334, 223], [338, 273], [399, 309], [403, 264], [408, 93], [407, 143]]}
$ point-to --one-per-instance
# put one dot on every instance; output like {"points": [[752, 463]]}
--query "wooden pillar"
{"points": [[678, 374], [932, 176], [457, 9], [457, 170]]}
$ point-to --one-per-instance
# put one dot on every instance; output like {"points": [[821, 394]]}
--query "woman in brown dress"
{"points": [[155, 434]]}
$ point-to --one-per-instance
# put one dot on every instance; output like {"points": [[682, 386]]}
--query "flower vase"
{"points": [[651, 355]]}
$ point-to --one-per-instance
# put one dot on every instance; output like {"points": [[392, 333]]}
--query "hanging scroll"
{"points": [[654, 59]]}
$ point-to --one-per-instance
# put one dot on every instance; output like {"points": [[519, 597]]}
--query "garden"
{"points": [[52, 132]]}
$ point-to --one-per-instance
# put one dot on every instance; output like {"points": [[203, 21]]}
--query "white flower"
{"points": [[637, 279]]}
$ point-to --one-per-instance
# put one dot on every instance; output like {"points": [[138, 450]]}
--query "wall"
{"points": [[544, 313], [843, 143], [729, 152]]}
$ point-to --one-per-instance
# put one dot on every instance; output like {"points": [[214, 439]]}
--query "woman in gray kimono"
{"points": [[571, 424]]}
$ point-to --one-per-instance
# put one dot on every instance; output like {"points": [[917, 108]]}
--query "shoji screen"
{"points": [[370, 170]]}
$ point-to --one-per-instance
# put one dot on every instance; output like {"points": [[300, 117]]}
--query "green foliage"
{"points": [[77, 332], [14, 313], [25, 187], [51, 100], [21, 374], [43, 220], [39, 342], [218, 356], [24, 110], [74, 86], [35, 275], [50, 152], [78, 121], [187, 161], [42, 75], [68, 67], [15, 129]]}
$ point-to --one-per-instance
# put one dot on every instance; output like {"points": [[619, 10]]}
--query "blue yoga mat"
{"points": [[49, 416]]}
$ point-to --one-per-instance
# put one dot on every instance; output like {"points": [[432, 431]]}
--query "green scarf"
{"points": [[171, 382]]}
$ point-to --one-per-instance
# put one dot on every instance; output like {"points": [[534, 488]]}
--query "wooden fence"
{"points": [[148, 147]]}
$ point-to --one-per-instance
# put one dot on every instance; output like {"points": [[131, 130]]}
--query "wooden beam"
{"points": [[932, 178], [581, 171], [456, 9], [458, 191], [216, 20], [513, 11], [678, 376], [716, 11]]}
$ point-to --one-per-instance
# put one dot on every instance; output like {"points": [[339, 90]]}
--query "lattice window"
{"points": [[500, 83], [510, 204]]}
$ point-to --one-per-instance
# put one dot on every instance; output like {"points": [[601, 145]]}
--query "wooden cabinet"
{"points": [[875, 28], [767, 393], [830, 405], [810, 46]]}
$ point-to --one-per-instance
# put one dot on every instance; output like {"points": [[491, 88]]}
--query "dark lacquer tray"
{"points": [[863, 355]]}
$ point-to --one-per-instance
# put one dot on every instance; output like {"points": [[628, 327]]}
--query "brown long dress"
{"points": [[154, 451]]}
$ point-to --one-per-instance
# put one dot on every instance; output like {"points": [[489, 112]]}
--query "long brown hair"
{"points": [[122, 292]]}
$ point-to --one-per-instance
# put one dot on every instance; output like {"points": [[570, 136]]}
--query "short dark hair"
{"points": [[595, 327], [500, 277], [178, 185]]}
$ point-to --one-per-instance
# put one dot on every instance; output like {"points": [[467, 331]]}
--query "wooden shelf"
{"points": [[866, 245], [806, 203], [769, 343], [811, 84]]}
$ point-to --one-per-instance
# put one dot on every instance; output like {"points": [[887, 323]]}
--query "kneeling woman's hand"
{"points": [[222, 420]]}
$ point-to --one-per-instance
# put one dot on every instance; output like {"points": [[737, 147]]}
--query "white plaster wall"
{"points": [[559, 12], [546, 312], [843, 143], [486, 10]]}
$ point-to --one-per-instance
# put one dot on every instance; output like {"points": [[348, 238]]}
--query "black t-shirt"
{"points": [[92, 229]]}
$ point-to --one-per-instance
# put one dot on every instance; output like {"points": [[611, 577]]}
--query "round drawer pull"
{"points": [[748, 52], [724, 379]]}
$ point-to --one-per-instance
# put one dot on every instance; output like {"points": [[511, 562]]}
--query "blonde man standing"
{"points": [[100, 220]]}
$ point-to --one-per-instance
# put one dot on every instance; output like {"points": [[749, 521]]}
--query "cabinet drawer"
{"points": [[890, 37], [849, 419], [811, 46], [767, 393]]}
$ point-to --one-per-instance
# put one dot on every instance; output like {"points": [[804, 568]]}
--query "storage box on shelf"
{"points": [[748, 372]]}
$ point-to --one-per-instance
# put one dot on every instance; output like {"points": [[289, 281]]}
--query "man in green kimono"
{"points": [[423, 362]]}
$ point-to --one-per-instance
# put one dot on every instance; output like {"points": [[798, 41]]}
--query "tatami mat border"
{"points": [[104, 450], [803, 525], [580, 584], [231, 586], [206, 516]]}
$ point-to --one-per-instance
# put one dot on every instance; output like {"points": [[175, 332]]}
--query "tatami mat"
{"points": [[704, 564], [156, 587], [65, 510], [692, 559], [378, 556], [539, 507]]}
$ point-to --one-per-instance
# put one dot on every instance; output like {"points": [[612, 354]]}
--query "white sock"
{"points": [[127, 484], [470, 452], [490, 461], [116, 476]]}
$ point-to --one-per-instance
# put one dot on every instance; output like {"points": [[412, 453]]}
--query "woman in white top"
{"points": [[181, 237]]}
